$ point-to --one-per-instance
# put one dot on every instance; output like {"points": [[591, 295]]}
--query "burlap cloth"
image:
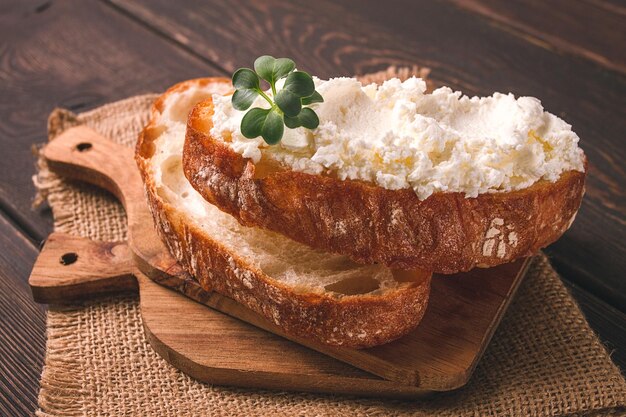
{"points": [[543, 360]]}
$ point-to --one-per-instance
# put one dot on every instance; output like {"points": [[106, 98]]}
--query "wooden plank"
{"points": [[71, 54], [608, 322], [613, 6], [584, 29], [356, 37], [22, 325]]}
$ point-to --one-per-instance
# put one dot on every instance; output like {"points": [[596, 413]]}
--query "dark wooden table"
{"points": [[81, 54]]}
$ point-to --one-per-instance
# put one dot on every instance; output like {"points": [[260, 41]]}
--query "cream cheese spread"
{"points": [[397, 136]]}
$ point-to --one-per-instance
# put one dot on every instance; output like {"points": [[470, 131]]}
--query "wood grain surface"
{"points": [[80, 54], [586, 29], [76, 55], [22, 324]]}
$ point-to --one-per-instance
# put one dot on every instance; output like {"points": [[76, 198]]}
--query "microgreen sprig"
{"points": [[288, 107]]}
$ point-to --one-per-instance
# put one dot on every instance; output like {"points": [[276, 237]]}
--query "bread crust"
{"points": [[354, 321], [445, 233]]}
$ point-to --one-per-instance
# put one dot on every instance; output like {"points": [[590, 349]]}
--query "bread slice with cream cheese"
{"points": [[447, 232]]}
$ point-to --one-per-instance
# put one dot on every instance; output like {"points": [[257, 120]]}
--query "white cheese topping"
{"points": [[397, 136]]}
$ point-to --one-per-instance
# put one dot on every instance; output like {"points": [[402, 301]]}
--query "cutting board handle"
{"points": [[82, 153], [71, 268]]}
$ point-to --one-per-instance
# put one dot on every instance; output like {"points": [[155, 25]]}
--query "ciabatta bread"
{"points": [[445, 233], [306, 292]]}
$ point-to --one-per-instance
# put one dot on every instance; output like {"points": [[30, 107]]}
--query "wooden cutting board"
{"points": [[439, 355]]}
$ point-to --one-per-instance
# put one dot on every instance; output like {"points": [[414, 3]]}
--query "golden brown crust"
{"points": [[353, 321], [445, 233]]}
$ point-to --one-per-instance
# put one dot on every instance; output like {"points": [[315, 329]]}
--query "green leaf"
{"points": [[307, 118], [299, 83], [273, 127], [264, 66], [253, 122], [245, 79], [314, 98], [272, 69], [282, 67], [292, 122], [243, 99], [288, 102], [267, 123]]}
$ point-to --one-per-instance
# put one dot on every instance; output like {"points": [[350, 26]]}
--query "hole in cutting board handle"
{"points": [[83, 146], [68, 258]]}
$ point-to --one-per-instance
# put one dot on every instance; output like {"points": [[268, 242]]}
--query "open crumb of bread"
{"points": [[305, 291], [446, 232]]}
